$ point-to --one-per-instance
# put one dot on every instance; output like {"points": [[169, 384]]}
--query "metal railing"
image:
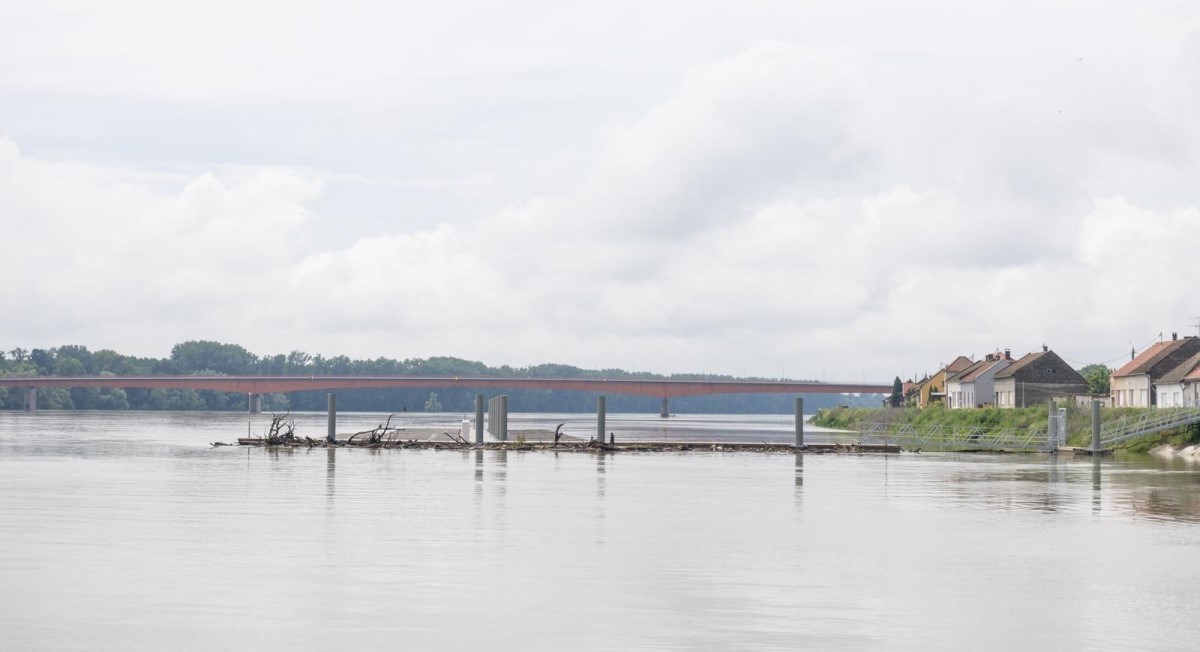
{"points": [[1146, 423], [956, 438]]}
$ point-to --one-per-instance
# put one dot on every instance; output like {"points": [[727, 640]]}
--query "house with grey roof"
{"points": [[974, 386], [1180, 387], [1035, 379]]}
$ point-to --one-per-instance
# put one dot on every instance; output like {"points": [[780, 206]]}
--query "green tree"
{"points": [[897, 396], [432, 404], [1097, 377], [193, 356]]}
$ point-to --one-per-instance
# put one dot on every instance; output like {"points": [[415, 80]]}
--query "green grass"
{"points": [[1079, 421]]}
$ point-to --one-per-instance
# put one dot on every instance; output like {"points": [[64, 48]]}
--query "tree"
{"points": [[43, 359], [1097, 377], [897, 396], [197, 355], [432, 404]]}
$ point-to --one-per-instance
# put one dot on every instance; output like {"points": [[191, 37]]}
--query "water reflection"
{"points": [[799, 469], [500, 457], [1096, 504], [601, 471], [600, 462], [330, 470]]}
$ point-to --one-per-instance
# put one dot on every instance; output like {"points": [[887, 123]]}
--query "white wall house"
{"points": [[1180, 387], [958, 396], [1134, 385], [975, 386], [1130, 391]]}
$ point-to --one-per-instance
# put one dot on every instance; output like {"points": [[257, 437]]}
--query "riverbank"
{"points": [[1079, 421]]}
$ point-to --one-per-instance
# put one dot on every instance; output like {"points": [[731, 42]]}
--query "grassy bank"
{"points": [[1079, 421]]}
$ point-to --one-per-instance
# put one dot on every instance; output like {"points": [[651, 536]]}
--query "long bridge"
{"points": [[256, 386]]}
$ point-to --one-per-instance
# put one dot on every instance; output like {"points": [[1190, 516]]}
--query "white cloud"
{"points": [[822, 201]]}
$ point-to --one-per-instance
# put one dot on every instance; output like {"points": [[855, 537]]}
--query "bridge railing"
{"points": [[1145, 423], [955, 438]]}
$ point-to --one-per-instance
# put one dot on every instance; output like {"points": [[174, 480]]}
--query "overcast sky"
{"points": [[769, 188]]}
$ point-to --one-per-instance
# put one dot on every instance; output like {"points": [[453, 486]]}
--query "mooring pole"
{"points": [[665, 412], [502, 402], [479, 418], [600, 413], [331, 433], [1095, 427], [1052, 424], [799, 422]]}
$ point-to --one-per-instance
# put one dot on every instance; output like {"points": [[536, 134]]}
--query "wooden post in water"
{"points": [[799, 422], [331, 433], [601, 409], [1095, 427], [479, 418]]}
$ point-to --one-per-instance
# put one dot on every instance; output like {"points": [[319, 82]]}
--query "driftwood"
{"points": [[377, 435]]}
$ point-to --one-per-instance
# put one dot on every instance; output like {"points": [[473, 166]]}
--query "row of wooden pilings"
{"points": [[497, 421]]}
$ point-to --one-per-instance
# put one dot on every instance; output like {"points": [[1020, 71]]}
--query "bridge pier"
{"points": [[255, 401], [666, 408], [799, 422], [600, 414], [331, 429], [31, 399]]}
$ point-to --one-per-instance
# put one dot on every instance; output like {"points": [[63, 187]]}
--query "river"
{"points": [[128, 531]]}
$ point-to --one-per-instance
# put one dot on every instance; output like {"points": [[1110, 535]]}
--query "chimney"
{"points": [[1045, 348], [1174, 336], [1132, 353], [1007, 354]]}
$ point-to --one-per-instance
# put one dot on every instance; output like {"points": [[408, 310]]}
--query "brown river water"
{"points": [[128, 531]]}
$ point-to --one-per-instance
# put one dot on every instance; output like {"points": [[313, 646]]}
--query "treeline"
{"points": [[215, 358]]}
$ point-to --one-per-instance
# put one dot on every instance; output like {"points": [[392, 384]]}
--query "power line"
{"points": [[1119, 357]]}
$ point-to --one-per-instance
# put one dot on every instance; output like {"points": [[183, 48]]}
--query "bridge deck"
{"points": [[284, 384]]}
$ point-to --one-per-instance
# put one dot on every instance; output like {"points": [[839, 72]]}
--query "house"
{"points": [[954, 387], [1133, 384], [1035, 379], [1180, 387], [933, 389], [974, 386]]}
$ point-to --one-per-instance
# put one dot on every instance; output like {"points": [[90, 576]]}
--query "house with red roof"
{"points": [[1133, 385], [933, 388]]}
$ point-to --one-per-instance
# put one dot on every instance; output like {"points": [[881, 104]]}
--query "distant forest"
{"points": [[215, 358]]}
